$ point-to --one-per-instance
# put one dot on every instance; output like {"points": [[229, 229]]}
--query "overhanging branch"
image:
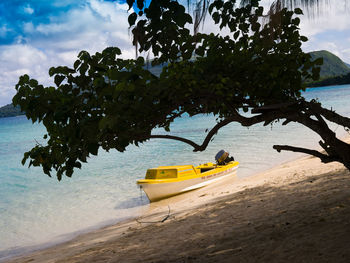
{"points": [[329, 114], [302, 112], [176, 138], [196, 146], [324, 158], [236, 117]]}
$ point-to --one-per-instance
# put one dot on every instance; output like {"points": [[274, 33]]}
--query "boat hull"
{"points": [[158, 191]]}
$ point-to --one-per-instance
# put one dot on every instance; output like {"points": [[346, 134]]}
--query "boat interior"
{"points": [[206, 169], [170, 172], [187, 171]]}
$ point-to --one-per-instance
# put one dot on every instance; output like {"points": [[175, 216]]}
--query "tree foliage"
{"points": [[107, 102]]}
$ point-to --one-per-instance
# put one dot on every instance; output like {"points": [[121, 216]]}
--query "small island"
{"points": [[10, 111]]}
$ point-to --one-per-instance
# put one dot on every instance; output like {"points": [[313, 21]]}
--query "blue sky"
{"points": [[38, 34]]}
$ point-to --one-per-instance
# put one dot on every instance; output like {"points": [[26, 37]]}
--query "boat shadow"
{"points": [[133, 202]]}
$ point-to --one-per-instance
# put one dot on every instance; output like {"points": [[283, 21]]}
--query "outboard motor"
{"points": [[223, 158]]}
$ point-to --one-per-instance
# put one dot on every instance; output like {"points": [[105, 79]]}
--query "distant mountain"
{"points": [[332, 65], [347, 64], [10, 111]]}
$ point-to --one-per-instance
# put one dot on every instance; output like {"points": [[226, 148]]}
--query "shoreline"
{"points": [[207, 204], [145, 211], [19, 252]]}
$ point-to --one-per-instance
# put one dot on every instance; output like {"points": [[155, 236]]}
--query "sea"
{"points": [[37, 211]]}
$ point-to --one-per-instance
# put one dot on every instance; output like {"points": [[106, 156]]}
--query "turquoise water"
{"points": [[37, 210]]}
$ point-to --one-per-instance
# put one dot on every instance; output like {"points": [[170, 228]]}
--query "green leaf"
{"points": [[93, 148], [303, 38], [59, 79], [52, 71], [216, 17], [140, 4], [130, 3], [211, 7], [77, 64], [77, 165], [23, 79], [318, 61], [69, 172], [84, 55], [132, 19], [298, 11]]}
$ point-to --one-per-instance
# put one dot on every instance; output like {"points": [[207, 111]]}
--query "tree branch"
{"points": [[196, 146], [336, 150], [236, 117], [266, 117], [324, 158], [329, 114], [278, 106], [176, 138]]}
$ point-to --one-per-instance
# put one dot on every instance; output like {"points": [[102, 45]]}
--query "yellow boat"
{"points": [[166, 181]]}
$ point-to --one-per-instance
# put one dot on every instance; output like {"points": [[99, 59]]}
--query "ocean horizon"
{"points": [[37, 211]]}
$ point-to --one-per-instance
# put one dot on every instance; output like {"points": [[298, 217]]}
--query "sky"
{"points": [[38, 34]]}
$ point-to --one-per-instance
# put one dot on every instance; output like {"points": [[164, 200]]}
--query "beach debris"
{"points": [[154, 222]]}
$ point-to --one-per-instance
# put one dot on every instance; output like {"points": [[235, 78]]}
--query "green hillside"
{"points": [[9, 111], [332, 65], [339, 80]]}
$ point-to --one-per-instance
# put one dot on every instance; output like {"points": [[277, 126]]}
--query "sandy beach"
{"points": [[295, 212]]}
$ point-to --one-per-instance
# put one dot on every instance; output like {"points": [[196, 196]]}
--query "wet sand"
{"points": [[295, 212]]}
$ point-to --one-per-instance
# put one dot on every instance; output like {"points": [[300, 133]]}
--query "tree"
{"points": [[201, 7], [108, 102]]}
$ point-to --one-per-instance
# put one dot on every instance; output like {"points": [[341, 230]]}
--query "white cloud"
{"points": [[338, 21], [345, 53], [93, 27], [323, 45], [17, 60], [21, 55], [20, 40], [97, 25], [328, 30], [28, 27], [28, 9], [3, 30]]}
